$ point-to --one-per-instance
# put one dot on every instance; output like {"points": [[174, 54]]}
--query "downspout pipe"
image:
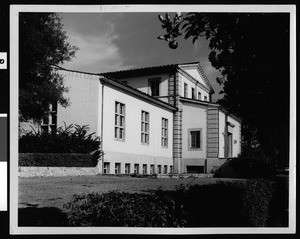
{"points": [[102, 110]]}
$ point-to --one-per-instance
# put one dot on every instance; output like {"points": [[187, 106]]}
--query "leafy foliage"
{"points": [[123, 209], [245, 167], [70, 139], [251, 51], [57, 160], [43, 43], [224, 204]]}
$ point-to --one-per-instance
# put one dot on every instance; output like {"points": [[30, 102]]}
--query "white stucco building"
{"points": [[151, 120]]}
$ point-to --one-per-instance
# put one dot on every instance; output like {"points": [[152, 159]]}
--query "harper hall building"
{"points": [[157, 119]]}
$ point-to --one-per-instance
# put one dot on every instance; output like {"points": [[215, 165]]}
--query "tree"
{"points": [[42, 44], [251, 51]]}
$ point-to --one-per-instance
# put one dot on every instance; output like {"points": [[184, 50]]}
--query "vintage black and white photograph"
{"points": [[163, 118]]}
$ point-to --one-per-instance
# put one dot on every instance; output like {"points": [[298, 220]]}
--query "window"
{"points": [[199, 95], [127, 168], [152, 169], [164, 132], [49, 122], [171, 169], [205, 98], [154, 86], [165, 169], [145, 127], [195, 169], [193, 93], [117, 168], [229, 145], [195, 139], [159, 169], [185, 90], [144, 168], [119, 121], [136, 168], [106, 168]]}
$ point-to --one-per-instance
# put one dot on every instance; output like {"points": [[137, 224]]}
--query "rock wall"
{"points": [[56, 171]]}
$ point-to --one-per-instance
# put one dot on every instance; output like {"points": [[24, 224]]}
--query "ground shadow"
{"points": [[42, 216]]}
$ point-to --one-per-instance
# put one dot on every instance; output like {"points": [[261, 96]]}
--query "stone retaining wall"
{"points": [[56, 171]]}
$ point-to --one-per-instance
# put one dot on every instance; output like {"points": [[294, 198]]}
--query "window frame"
{"points": [[190, 148], [193, 93], [118, 126], [144, 115], [118, 166], [150, 81], [50, 125], [185, 90], [199, 95], [144, 169], [127, 168], [106, 167], [136, 168], [164, 129]]}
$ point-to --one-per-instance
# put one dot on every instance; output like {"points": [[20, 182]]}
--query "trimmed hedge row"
{"points": [[245, 167], [57, 160], [248, 203]]}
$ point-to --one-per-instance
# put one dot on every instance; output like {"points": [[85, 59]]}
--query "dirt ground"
{"points": [[55, 191]]}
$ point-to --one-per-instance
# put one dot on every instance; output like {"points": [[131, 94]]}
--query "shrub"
{"points": [[256, 197], [245, 167], [71, 139], [231, 204], [123, 209], [57, 160]]}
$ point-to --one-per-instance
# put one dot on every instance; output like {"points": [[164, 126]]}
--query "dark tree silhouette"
{"points": [[251, 51], [42, 43]]}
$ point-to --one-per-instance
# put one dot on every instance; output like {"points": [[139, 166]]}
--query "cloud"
{"points": [[97, 52]]}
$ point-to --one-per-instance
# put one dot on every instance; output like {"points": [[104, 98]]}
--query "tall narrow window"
{"points": [[49, 122], [127, 168], [117, 168], [145, 127], [136, 168], [164, 132], [106, 168], [144, 168], [195, 139], [205, 98], [154, 86], [185, 90], [119, 121], [193, 93], [199, 95], [152, 169]]}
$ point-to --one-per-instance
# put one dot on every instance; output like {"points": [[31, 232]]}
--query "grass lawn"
{"points": [[55, 191], [41, 199]]}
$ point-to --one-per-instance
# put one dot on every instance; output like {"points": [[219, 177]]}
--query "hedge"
{"points": [[245, 167], [248, 203], [57, 160]]}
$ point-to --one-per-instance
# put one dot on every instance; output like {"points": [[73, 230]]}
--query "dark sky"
{"points": [[124, 40]]}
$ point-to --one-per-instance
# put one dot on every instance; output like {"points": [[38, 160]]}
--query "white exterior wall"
{"points": [[84, 97], [193, 117], [142, 83], [236, 144], [190, 84], [222, 125], [236, 149], [131, 150]]}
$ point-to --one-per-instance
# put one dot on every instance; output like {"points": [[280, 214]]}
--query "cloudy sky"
{"points": [[119, 41]]}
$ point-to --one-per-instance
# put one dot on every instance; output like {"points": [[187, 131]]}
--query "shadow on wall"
{"points": [[44, 216]]}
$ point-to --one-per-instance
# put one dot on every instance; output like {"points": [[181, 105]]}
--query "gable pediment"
{"points": [[195, 70]]}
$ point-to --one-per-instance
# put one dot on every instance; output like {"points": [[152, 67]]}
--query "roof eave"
{"points": [[138, 93]]}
